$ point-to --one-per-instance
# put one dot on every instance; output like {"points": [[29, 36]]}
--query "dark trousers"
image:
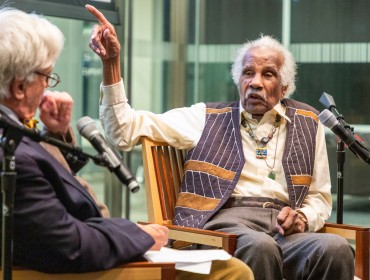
{"points": [[272, 256]]}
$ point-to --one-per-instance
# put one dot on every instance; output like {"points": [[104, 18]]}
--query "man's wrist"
{"points": [[303, 218], [111, 71], [66, 137]]}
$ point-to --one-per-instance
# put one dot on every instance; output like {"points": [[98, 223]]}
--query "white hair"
{"points": [[28, 43], [287, 72]]}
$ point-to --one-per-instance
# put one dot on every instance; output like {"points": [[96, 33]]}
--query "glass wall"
{"points": [[331, 44], [178, 52], [183, 50], [80, 73]]}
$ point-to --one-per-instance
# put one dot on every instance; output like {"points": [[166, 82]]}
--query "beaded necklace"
{"points": [[261, 150]]}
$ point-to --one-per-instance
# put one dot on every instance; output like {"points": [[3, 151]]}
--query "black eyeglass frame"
{"points": [[52, 80]]}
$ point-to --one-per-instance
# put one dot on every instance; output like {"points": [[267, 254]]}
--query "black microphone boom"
{"points": [[344, 134], [38, 136], [89, 130]]}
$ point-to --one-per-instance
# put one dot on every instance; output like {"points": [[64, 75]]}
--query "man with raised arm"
{"points": [[256, 167]]}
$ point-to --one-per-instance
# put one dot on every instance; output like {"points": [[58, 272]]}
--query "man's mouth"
{"points": [[253, 96]]}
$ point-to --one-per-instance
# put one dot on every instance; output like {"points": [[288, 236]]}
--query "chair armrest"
{"points": [[361, 235], [218, 239], [222, 240], [345, 226], [346, 231], [134, 270]]}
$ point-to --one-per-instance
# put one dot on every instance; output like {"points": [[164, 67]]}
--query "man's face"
{"points": [[33, 94], [26, 96], [260, 87]]}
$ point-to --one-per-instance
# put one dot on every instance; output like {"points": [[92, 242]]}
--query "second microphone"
{"points": [[89, 130]]}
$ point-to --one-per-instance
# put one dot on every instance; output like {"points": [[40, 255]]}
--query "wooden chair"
{"points": [[163, 169], [131, 271]]}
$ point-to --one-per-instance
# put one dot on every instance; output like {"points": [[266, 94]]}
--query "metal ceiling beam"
{"points": [[66, 9]]}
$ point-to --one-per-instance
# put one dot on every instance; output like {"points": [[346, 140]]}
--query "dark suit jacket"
{"points": [[57, 225]]}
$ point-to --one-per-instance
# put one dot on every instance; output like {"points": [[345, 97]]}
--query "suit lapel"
{"points": [[63, 172]]}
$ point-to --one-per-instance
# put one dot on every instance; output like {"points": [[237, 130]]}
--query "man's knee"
{"points": [[336, 247], [261, 248], [233, 269]]}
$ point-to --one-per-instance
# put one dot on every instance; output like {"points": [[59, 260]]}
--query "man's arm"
{"points": [[57, 227], [317, 205], [316, 208], [56, 114], [104, 42]]}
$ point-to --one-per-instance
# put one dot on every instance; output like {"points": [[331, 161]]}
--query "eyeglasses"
{"points": [[52, 80]]}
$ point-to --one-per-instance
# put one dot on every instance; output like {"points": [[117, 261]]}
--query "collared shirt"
{"points": [[183, 127], [254, 180], [10, 113]]}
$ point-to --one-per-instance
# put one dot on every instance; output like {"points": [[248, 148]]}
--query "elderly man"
{"points": [[256, 167], [58, 226]]}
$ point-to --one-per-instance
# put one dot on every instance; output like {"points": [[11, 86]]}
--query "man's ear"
{"points": [[17, 88], [283, 91]]}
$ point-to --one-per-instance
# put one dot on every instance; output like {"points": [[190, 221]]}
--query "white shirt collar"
{"points": [[278, 108]]}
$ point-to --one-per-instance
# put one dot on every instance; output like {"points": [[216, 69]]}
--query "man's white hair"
{"points": [[28, 43], [287, 72]]}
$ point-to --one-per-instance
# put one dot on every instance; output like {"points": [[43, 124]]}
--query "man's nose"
{"points": [[256, 81]]}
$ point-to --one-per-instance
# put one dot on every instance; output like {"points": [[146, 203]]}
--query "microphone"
{"points": [[19, 130], [89, 130], [329, 120], [328, 101]]}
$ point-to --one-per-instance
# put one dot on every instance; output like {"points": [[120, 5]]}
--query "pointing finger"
{"points": [[99, 16]]}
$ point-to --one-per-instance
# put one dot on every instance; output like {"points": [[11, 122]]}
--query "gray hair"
{"points": [[28, 43], [287, 72]]}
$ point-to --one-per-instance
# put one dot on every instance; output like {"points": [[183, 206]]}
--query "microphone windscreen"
{"points": [[328, 119], [87, 127]]}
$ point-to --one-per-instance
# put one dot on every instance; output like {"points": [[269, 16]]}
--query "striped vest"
{"points": [[214, 165]]}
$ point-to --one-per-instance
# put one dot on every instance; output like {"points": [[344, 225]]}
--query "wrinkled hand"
{"points": [[56, 111], [289, 222], [103, 38], [158, 233]]}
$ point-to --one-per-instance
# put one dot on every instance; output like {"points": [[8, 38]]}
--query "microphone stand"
{"points": [[12, 136], [341, 155], [9, 143], [74, 151], [328, 101]]}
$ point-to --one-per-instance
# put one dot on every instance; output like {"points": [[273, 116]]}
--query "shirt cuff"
{"points": [[315, 221], [112, 94]]}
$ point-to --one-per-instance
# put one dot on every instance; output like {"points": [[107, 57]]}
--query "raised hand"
{"points": [[104, 42], [103, 38]]}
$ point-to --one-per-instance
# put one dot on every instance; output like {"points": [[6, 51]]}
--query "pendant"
{"points": [[265, 140], [261, 153], [272, 175]]}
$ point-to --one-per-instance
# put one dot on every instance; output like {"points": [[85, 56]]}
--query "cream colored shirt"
{"points": [[124, 126]]}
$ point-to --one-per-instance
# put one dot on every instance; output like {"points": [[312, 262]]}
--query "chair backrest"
{"points": [[163, 170]]}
